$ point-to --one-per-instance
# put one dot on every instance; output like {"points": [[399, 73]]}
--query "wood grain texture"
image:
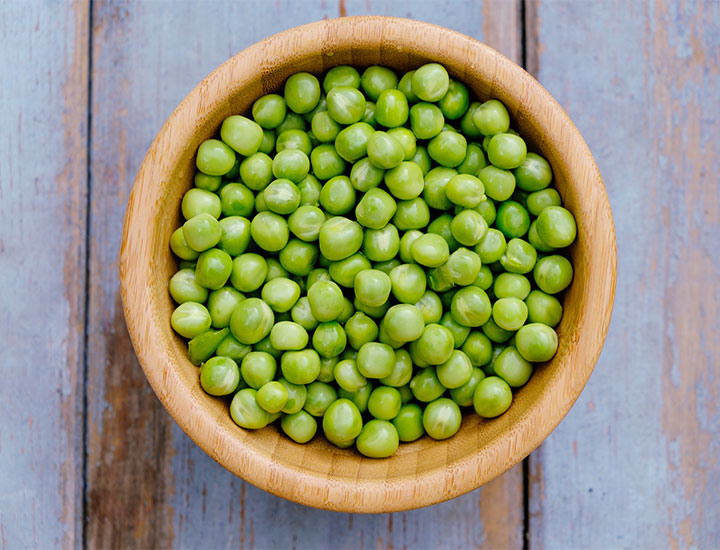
{"points": [[637, 462], [424, 472], [43, 185], [170, 486]]}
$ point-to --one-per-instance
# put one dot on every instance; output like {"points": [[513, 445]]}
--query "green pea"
{"points": [[495, 333], [364, 175], [519, 257], [430, 306], [342, 75], [448, 149], [512, 367], [468, 227], [430, 82], [213, 268], [230, 347], [248, 272], [319, 397], [484, 279], [407, 139], [326, 163], [190, 319], [378, 439], [487, 210], [506, 151], [408, 283], [369, 114], [209, 183], [268, 143], [375, 360], [301, 313], [346, 105], [342, 423], [242, 134], [324, 127], [499, 184], [536, 342], [214, 158], [436, 181], [384, 337], [408, 423], [556, 226], [291, 164], [384, 151], [408, 238], [412, 214], [422, 159], [297, 394], [464, 266], [381, 245], [456, 371], [471, 306], [272, 396], [180, 247], [348, 376], [384, 403], [292, 140], [360, 329], [300, 367], [405, 181], [442, 225], [375, 79], [347, 312], [246, 412], [305, 222], [404, 323], [492, 397], [430, 250], [222, 303], [326, 301], [465, 190], [474, 161], [338, 195], [535, 240], [405, 86], [534, 173], [511, 285], [391, 108], [287, 335], [202, 346], [258, 368], [292, 123], [512, 219], [543, 308], [387, 266], [200, 201], [436, 344], [300, 426], [492, 246], [491, 118], [372, 287], [463, 395], [340, 238], [539, 200], [269, 111], [265, 346], [459, 332], [442, 418], [299, 257], [269, 231], [454, 104], [467, 126], [310, 189], [329, 339], [251, 321], [302, 92], [184, 287], [344, 271], [201, 232], [425, 385], [352, 142], [509, 313], [402, 370], [327, 364]]}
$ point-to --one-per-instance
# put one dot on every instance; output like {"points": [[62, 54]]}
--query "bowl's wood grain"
{"points": [[318, 474]]}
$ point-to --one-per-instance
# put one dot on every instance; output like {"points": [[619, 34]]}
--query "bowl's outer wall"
{"points": [[318, 474]]}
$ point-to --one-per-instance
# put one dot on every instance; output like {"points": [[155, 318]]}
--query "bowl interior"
{"points": [[319, 474]]}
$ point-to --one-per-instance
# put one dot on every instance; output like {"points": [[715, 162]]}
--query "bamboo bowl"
{"points": [[318, 474]]}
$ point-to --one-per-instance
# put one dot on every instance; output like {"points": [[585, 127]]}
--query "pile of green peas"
{"points": [[372, 252]]}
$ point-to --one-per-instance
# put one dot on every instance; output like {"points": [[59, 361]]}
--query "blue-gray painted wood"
{"points": [[43, 120], [146, 57], [637, 460]]}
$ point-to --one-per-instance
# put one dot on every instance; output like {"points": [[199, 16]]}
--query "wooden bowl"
{"points": [[318, 474]]}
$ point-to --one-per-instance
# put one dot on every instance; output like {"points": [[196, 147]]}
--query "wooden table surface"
{"points": [[88, 456]]}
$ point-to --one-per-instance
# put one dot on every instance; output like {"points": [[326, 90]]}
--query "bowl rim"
{"points": [[313, 488]]}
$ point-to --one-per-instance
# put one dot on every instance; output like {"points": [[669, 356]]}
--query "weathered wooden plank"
{"points": [[148, 484], [637, 461], [43, 187]]}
